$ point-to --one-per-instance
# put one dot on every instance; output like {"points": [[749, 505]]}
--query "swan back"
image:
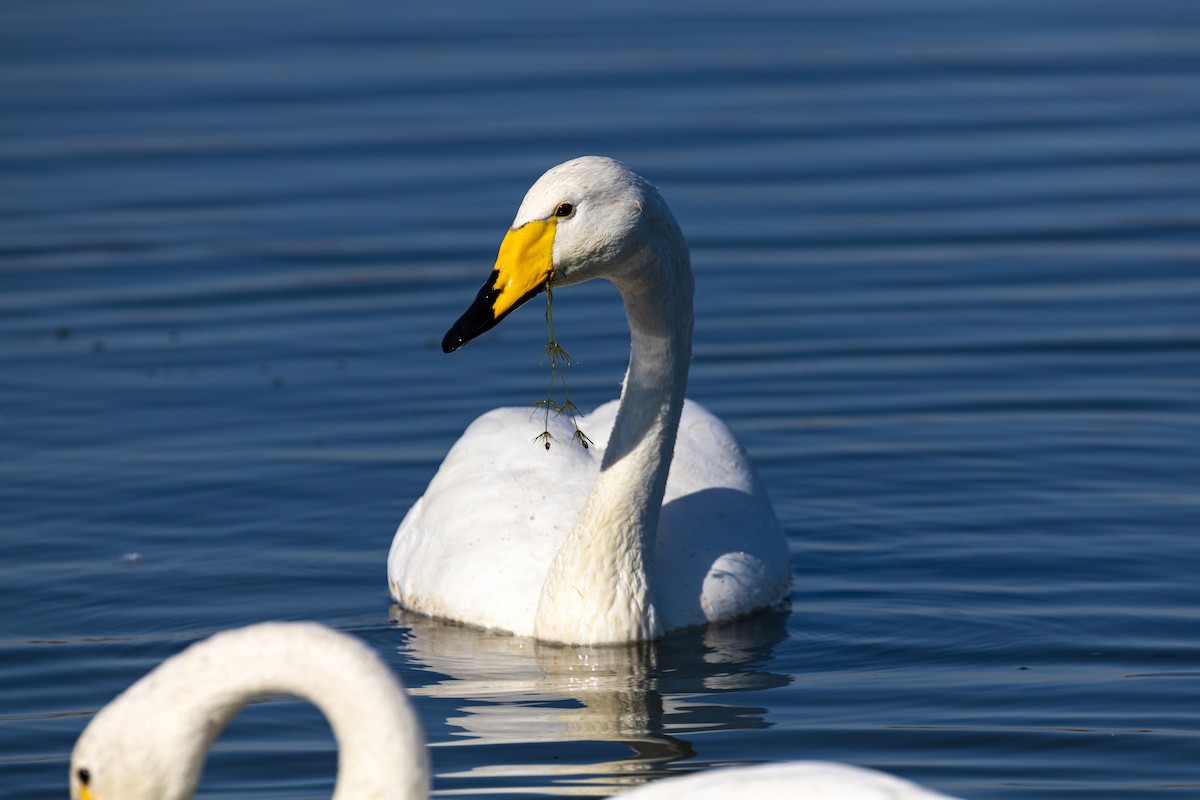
{"points": [[150, 742], [795, 780]]}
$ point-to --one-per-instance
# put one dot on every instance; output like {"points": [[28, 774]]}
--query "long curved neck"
{"points": [[381, 751], [600, 587]]}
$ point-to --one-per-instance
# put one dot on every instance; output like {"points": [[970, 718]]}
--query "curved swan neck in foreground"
{"points": [[600, 586], [152, 740]]}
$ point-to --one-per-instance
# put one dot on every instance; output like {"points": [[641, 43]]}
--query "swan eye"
{"points": [[564, 210], [84, 776]]}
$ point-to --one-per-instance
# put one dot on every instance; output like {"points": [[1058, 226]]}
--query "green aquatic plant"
{"points": [[559, 361]]}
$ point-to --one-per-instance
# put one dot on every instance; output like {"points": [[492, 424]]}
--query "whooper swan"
{"points": [[151, 741], [792, 780], [597, 545]]}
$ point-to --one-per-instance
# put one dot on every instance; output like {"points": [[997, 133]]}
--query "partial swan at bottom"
{"points": [[150, 742]]}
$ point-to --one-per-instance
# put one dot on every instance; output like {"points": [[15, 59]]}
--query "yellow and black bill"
{"points": [[523, 269]]}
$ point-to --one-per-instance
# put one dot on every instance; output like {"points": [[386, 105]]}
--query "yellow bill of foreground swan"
{"points": [[150, 743], [662, 525]]}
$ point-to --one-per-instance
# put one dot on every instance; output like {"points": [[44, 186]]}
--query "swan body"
{"points": [[662, 524], [151, 741], [794, 780]]}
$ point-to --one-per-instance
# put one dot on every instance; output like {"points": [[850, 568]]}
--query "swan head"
{"points": [[132, 750], [591, 217]]}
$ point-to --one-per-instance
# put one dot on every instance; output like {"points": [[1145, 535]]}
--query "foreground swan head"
{"points": [[595, 546], [151, 741]]}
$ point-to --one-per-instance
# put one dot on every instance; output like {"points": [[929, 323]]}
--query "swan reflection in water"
{"points": [[649, 697]]}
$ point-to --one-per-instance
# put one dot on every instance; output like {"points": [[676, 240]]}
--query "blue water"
{"points": [[947, 295]]}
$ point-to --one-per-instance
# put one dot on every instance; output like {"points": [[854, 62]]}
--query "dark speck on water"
{"points": [[946, 294]]}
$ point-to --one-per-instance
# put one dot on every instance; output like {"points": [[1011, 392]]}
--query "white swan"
{"points": [[150, 742], [793, 780], [599, 545]]}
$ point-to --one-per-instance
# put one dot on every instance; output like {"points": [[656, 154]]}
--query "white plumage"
{"points": [[598, 545], [794, 780], [151, 741]]}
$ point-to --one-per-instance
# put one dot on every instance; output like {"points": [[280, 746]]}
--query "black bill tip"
{"points": [[477, 319], [480, 317]]}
